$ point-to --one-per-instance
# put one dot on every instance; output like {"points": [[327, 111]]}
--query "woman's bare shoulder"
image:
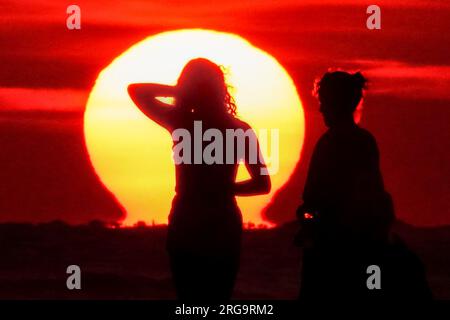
{"points": [[236, 123]]}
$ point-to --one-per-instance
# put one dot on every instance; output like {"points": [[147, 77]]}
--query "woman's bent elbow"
{"points": [[266, 185]]}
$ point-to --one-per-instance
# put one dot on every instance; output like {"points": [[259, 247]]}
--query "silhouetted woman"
{"points": [[345, 206], [205, 223]]}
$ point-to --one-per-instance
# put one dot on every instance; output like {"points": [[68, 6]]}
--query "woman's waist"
{"points": [[198, 211], [203, 195], [204, 201]]}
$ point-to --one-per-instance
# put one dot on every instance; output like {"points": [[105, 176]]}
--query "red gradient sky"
{"points": [[47, 71]]}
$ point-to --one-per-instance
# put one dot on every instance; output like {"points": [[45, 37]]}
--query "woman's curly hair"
{"points": [[229, 100], [206, 81]]}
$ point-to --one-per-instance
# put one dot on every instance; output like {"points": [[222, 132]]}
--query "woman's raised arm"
{"points": [[144, 96], [259, 182]]}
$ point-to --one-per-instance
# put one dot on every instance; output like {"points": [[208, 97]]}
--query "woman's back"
{"points": [[208, 176], [205, 204]]}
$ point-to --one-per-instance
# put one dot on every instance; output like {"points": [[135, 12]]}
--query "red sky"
{"points": [[47, 71]]}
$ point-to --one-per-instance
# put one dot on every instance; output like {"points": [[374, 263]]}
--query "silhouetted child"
{"points": [[346, 214]]}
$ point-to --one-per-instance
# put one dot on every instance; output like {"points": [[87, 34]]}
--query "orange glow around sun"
{"points": [[132, 155]]}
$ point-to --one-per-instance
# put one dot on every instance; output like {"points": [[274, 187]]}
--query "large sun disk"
{"points": [[132, 155]]}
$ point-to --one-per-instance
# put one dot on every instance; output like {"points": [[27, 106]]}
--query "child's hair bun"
{"points": [[359, 80]]}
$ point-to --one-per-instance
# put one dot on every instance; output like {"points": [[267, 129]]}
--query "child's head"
{"points": [[339, 94]]}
